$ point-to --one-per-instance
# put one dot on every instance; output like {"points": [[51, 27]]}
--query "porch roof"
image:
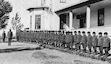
{"points": [[77, 6]]}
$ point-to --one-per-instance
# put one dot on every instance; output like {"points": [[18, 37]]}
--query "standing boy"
{"points": [[94, 42], [106, 43], [84, 41], [89, 42], [100, 43]]}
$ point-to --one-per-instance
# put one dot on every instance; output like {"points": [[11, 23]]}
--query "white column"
{"points": [[88, 17], [70, 19], [31, 22]]}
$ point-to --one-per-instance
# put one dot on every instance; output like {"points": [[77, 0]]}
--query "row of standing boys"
{"points": [[79, 41]]}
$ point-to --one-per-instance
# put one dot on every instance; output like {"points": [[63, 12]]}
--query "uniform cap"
{"points": [[100, 32], [83, 32], [79, 31], [94, 32], [88, 32], [75, 31], [106, 33]]}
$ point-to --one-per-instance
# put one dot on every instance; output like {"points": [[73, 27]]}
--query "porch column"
{"points": [[70, 19], [31, 22], [88, 17]]}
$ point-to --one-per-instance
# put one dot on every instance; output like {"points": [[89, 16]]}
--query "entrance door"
{"points": [[62, 20], [38, 22]]}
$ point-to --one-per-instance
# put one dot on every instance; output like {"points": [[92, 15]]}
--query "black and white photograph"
{"points": [[55, 31]]}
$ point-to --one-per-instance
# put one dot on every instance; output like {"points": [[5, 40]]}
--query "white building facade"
{"points": [[84, 15], [43, 17], [92, 15]]}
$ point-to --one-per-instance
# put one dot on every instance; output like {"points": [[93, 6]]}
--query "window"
{"points": [[37, 21], [43, 2], [101, 17], [62, 1]]}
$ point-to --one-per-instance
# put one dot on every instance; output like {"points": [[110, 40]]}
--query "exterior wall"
{"points": [[33, 18], [76, 23], [108, 15], [49, 21], [57, 5], [55, 22], [94, 18]]}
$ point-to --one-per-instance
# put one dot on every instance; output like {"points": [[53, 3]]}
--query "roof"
{"points": [[77, 6], [35, 8]]}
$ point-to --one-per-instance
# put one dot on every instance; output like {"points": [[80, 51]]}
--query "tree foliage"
{"points": [[16, 23], [5, 9]]}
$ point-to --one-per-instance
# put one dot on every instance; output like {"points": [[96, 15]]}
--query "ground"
{"points": [[41, 56]]}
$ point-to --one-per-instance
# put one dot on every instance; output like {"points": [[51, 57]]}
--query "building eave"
{"points": [[37, 8], [77, 6]]}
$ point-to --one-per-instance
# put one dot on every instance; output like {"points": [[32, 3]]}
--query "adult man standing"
{"points": [[10, 35], [3, 36]]}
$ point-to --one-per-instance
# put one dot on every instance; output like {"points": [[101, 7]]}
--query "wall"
{"points": [[49, 20], [57, 5], [76, 23]]}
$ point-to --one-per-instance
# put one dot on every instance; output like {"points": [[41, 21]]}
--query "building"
{"points": [[42, 17], [84, 15], [90, 15]]}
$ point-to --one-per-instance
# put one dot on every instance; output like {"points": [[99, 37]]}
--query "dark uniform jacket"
{"points": [[10, 35], [75, 39], [106, 42], [100, 41], [94, 41], [68, 38], [89, 40], [4, 35], [79, 38], [84, 39]]}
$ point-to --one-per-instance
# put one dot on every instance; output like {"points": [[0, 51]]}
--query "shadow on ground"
{"points": [[44, 56], [9, 50]]}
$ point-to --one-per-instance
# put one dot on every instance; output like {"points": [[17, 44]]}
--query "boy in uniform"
{"points": [[106, 43], [63, 40], [84, 41], [67, 39], [75, 40], [89, 42], [100, 43], [94, 42], [70, 40], [79, 40]]}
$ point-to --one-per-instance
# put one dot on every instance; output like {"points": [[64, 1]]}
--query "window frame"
{"points": [[101, 17]]}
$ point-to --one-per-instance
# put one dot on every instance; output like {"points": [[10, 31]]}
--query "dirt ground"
{"points": [[45, 56]]}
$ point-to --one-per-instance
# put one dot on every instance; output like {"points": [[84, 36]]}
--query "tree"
{"points": [[16, 23], [5, 9]]}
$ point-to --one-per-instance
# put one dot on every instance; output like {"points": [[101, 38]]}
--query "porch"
{"points": [[93, 16]]}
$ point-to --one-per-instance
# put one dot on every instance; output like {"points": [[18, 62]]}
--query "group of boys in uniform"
{"points": [[80, 41]]}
